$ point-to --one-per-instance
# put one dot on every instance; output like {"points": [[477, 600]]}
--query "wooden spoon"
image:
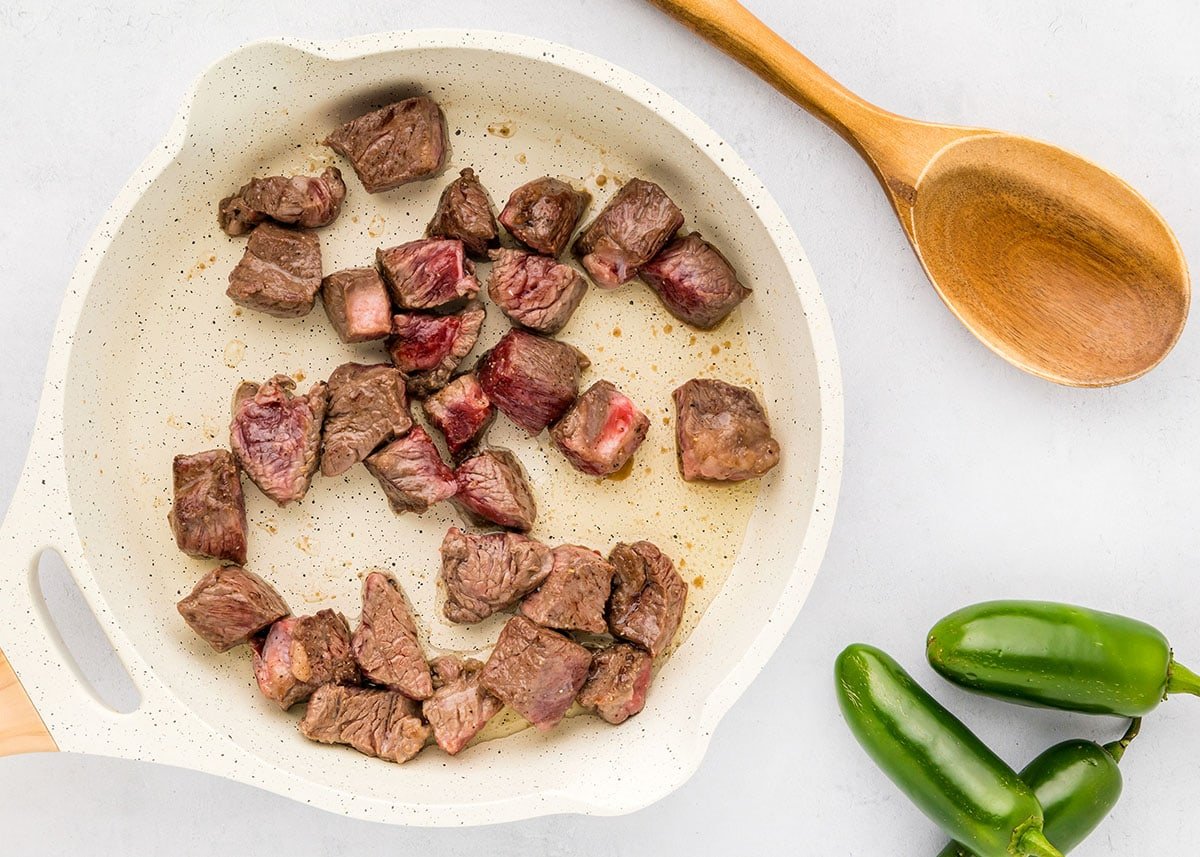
{"points": [[1055, 264]]}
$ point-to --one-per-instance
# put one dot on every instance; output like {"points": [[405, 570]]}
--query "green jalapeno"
{"points": [[1077, 783], [1058, 656], [949, 773]]}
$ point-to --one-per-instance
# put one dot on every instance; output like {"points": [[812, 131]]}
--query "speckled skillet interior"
{"points": [[159, 349]]}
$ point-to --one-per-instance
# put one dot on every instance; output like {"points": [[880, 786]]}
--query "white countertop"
{"points": [[964, 479]]}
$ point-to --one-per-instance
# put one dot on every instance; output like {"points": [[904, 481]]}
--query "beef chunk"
{"points": [[208, 516], [308, 201], [428, 348], [542, 214], [531, 379], [459, 707], [280, 272], [301, 653], [376, 723], [721, 432], [617, 682], [633, 227], [647, 598], [276, 436], [574, 595], [412, 473], [428, 273], [367, 407], [461, 411], [486, 572], [465, 212], [601, 431], [694, 281], [385, 643], [393, 145], [535, 291], [230, 605], [357, 303], [493, 488], [535, 671]]}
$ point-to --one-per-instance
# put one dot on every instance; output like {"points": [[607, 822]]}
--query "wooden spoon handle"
{"points": [[21, 729]]}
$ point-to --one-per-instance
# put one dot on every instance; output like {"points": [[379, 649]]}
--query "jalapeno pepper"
{"points": [[1077, 783], [949, 773], [1058, 656]]}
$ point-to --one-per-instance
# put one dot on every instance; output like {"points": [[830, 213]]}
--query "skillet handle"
{"points": [[21, 727]]}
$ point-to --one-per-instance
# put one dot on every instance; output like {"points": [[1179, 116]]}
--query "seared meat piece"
{"points": [[535, 291], [376, 723], [208, 516], [428, 348], [601, 431], [357, 303], [385, 643], [230, 605], [694, 281], [493, 488], [308, 201], [367, 407], [459, 707], [647, 597], [301, 653], [393, 145], [542, 214], [276, 436], [461, 411], [721, 432], [574, 595], [633, 227], [465, 212], [428, 273], [531, 379], [486, 572], [536, 671], [617, 682], [412, 473], [279, 273]]}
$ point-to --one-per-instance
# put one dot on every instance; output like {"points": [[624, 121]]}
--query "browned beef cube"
{"points": [[428, 273], [721, 432], [536, 292], [647, 598], [208, 516], [357, 303], [601, 431], [276, 436], [393, 145], [617, 682], [493, 488], [465, 212], [308, 201], [574, 595], [301, 653], [376, 723], [230, 605], [536, 671], [694, 281], [627, 234], [428, 348], [280, 272], [486, 572], [412, 473], [385, 643], [367, 407], [459, 707], [542, 214], [531, 379], [461, 411]]}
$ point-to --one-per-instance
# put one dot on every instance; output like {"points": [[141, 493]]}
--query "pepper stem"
{"points": [[1182, 680], [1117, 748], [1033, 843]]}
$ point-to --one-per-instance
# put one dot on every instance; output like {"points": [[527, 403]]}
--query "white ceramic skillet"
{"points": [[148, 350]]}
